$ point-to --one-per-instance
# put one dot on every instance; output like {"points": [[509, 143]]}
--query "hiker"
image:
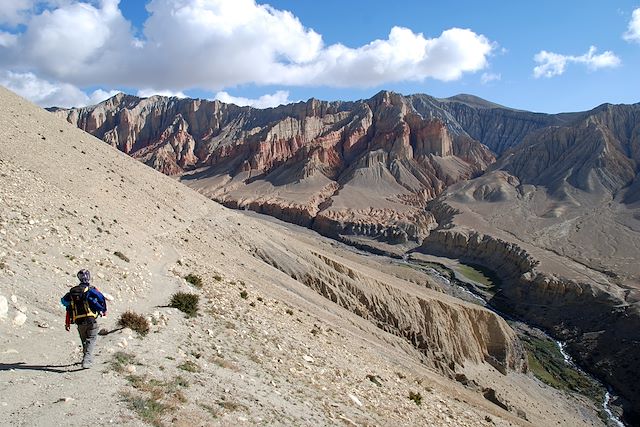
{"points": [[84, 304]]}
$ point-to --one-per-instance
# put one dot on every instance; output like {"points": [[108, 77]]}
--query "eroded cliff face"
{"points": [[599, 327], [312, 163], [448, 332]]}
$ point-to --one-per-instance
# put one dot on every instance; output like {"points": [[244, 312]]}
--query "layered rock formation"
{"points": [[311, 163], [558, 218], [420, 317]]}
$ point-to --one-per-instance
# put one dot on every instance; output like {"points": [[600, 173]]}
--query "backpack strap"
{"points": [[80, 308]]}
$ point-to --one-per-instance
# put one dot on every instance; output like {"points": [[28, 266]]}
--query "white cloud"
{"points": [[633, 31], [555, 64], [490, 77], [147, 92], [7, 39], [14, 12], [265, 101], [47, 94], [215, 44]]}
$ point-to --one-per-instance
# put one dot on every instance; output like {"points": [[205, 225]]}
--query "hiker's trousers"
{"points": [[88, 335]]}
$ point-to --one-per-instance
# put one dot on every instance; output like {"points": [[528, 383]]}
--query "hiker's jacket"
{"points": [[93, 304]]}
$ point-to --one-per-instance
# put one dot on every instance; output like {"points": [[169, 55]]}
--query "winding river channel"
{"points": [[469, 289], [446, 272]]}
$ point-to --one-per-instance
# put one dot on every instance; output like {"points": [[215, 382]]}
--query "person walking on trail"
{"points": [[84, 303]]}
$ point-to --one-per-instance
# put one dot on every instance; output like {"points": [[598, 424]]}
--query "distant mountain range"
{"points": [[314, 163]]}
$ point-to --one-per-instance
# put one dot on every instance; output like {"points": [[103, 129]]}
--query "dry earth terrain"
{"points": [[292, 329]]}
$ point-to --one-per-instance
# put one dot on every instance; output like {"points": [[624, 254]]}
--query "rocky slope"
{"points": [[284, 354], [557, 217], [310, 163], [313, 163]]}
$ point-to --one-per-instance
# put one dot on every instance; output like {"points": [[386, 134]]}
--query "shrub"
{"points": [[244, 294], [416, 397], [147, 408], [194, 280], [189, 366], [121, 256], [122, 359], [135, 322], [185, 302], [289, 312]]}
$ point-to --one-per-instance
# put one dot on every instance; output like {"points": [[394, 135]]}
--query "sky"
{"points": [[547, 56]]}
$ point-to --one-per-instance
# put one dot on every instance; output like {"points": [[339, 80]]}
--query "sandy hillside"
{"points": [[284, 355]]}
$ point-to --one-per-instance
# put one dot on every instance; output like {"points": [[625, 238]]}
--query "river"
{"points": [[468, 287]]}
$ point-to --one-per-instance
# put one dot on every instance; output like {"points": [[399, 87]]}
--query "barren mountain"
{"points": [[558, 218], [292, 330], [312, 163]]}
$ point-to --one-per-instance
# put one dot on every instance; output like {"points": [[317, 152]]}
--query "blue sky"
{"points": [[65, 52]]}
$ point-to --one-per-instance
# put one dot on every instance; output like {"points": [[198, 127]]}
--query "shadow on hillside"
{"points": [[47, 368]]}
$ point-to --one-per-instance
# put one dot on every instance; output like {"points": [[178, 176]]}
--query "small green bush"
{"points": [[416, 397], [244, 294], [122, 359], [135, 322], [185, 302], [121, 256], [189, 366], [194, 280], [147, 408]]}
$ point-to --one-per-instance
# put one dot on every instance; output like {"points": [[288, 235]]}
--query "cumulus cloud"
{"points": [[48, 94], [265, 101], [633, 30], [555, 64], [490, 77], [14, 12], [147, 92], [214, 44]]}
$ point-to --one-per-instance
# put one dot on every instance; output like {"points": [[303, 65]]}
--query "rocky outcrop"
{"points": [[311, 163], [447, 332], [599, 328]]}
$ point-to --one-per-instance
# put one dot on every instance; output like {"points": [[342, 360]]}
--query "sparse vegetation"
{"points": [[194, 280], [244, 294], [135, 322], [230, 406], [189, 366], [146, 408], [478, 274], [375, 379], [547, 364], [122, 359], [155, 396], [122, 256], [185, 302], [289, 312], [416, 397], [210, 409]]}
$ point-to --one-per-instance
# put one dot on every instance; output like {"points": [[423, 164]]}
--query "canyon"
{"points": [[550, 202], [286, 317]]}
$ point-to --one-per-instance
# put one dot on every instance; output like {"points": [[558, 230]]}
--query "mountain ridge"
{"points": [[269, 353]]}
